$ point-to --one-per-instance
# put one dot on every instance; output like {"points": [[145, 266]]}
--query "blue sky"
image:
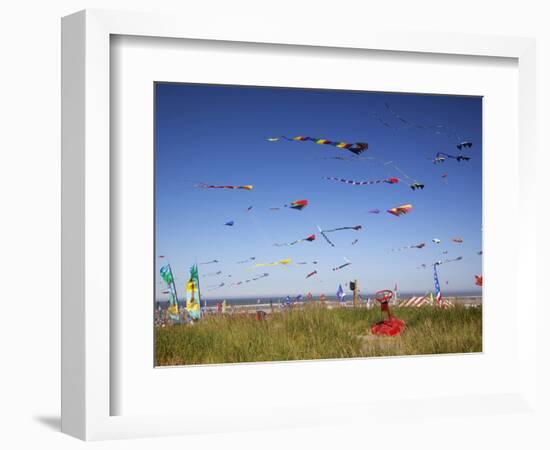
{"points": [[217, 135]]}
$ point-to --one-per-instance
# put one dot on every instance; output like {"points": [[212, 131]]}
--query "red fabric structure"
{"points": [[390, 327]]}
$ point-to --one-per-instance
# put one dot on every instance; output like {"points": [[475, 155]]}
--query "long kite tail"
{"points": [[363, 183], [326, 237], [247, 187], [355, 228], [356, 148]]}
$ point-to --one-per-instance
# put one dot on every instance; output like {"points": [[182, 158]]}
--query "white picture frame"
{"points": [[86, 202]]}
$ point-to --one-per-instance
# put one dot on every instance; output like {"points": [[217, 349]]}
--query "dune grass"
{"points": [[317, 333]]}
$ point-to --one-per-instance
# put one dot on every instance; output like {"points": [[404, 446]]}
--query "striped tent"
{"points": [[447, 304], [415, 302]]}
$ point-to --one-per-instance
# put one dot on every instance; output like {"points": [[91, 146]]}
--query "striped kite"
{"points": [[399, 210], [276, 263], [363, 183], [356, 148], [247, 187]]}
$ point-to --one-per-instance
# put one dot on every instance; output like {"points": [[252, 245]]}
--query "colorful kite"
{"points": [[479, 280], [311, 274], [298, 204], [356, 148], [276, 263], [363, 183], [399, 210], [310, 238], [247, 187]]}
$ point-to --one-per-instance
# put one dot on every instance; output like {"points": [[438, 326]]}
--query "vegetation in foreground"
{"points": [[317, 333]]}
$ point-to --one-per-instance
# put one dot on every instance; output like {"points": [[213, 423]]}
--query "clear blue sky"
{"points": [[217, 135]]}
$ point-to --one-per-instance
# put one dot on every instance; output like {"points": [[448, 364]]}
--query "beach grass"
{"points": [[317, 333]]}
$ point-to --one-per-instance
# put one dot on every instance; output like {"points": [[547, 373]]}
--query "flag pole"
{"points": [[199, 285]]}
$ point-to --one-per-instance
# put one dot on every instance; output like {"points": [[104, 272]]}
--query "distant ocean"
{"points": [[294, 298]]}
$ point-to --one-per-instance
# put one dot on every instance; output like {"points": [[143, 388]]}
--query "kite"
{"points": [[217, 286], [214, 261], [408, 124], [445, 252], [464, 144], [298, 204], [311, 274], [436, 241], [441, 157], [323, 232], [480, 252], [421, 245], [276, 263], [458, 258], [310, 238], [347, 263], [238, 283], [355, 227], [230, 223], [356, 148], [252, 258], [363, 183], [374, 211], [263, 275], [399, 210], [249, 208], [213, 274], [416, 186], [355, 242], [458, 240], [303, 262], [479, 280], [247, 187]]}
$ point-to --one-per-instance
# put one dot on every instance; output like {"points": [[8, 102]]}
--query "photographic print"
{"points": [[305, 224]]}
